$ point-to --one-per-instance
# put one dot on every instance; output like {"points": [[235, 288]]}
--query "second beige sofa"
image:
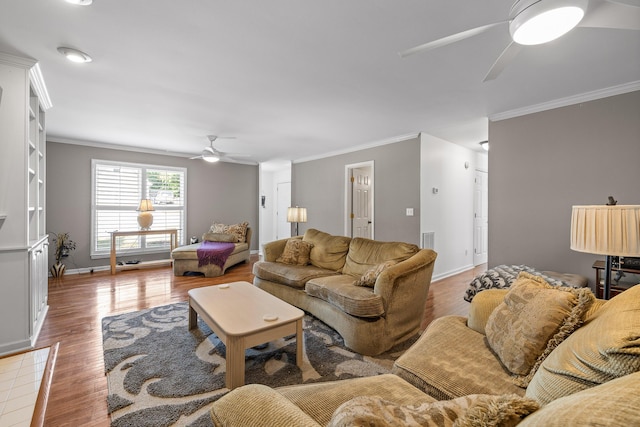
{"points": [[371, 320]]}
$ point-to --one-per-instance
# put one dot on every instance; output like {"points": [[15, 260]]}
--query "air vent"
{"points": [[428, 240]]}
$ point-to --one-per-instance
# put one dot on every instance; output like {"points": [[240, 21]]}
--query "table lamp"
{"points": [[610, 230], [297, 215], [145, 217]]}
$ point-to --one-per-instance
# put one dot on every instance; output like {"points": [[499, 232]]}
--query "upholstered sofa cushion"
{"points": [[258, 405], [339, 291], [532, 320], [451, 360], [466, 411], [328, 251], [296, 252], [320, 400], [366, 253], [613, 404], [295, 276], [605, 348]]}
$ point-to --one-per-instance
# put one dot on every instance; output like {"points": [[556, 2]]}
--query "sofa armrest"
{"points": [[271, 251], [257, 405], [482, 305], [406, 281]]}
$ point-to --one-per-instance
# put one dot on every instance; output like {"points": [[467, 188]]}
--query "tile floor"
{"points": [[20, 378]]}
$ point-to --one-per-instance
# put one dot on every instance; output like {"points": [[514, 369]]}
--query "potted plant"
{"points": [[63, 245]]}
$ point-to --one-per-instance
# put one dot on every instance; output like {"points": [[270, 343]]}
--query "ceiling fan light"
{"points": [[208, 155], [545, 21], [74, 55]]}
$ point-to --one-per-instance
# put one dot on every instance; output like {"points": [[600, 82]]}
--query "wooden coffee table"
{"points": [[243, 316]]}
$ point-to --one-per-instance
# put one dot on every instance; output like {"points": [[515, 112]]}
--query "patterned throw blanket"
{"points": [[214, 253], [501, 277]]}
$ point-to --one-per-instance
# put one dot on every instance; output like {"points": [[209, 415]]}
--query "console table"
{"points": [[172, 232], [599, 266]]}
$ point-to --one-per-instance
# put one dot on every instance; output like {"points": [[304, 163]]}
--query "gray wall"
{"points": [[542, 164], [223, 192], [319, 185]]}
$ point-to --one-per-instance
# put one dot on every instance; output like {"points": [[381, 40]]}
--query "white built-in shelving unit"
{"points": [[23, 238]]}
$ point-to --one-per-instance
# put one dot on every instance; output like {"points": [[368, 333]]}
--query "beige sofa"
{"points": [[591, 378], [185, 258], [371, 320]]}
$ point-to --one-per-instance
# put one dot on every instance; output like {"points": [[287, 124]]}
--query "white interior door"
{"points": [[362, 204], [283, 202], [481, 218]]}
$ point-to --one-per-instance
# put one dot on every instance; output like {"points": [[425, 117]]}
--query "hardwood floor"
{"points": [[77, 303]]}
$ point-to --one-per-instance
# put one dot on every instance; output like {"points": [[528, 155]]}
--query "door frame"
{"points": [[348, 196]]}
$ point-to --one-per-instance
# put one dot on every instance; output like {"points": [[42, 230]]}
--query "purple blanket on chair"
{"points": [[214, 253]]}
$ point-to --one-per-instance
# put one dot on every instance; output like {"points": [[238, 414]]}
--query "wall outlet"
{"points": [[409, 211]]}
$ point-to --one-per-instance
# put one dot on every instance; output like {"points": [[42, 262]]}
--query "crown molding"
{"points": [[570, 100], [359, 147]]}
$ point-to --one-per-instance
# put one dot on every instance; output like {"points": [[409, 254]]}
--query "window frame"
{"points": [[143, 249]]}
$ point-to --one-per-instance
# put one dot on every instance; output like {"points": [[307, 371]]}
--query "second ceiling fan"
{"points": [[211, 155], [534, 22]]}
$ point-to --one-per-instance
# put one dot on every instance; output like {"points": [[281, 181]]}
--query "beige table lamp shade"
{"points": [[606, 230]]}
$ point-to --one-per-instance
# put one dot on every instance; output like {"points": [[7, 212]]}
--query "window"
{"points": [[117, 189]]}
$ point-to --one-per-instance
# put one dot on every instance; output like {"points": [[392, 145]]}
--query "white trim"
{"points": [[374, 144], [570, 100], [453, 272], [40, 87]]}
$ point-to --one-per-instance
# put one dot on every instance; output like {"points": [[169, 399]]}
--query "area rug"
{"points": [[159, 373]]}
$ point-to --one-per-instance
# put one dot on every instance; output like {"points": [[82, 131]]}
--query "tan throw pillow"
{"points": [[296, 252], [237, 230], [371, 275], [532, 320], [467, 411], [218, 237], [605, 348]]}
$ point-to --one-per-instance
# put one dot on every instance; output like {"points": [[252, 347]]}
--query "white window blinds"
{"points": [[117, 189]]}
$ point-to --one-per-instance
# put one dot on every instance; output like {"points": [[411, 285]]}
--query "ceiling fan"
{"points": [[211, 155], [534, 22]]}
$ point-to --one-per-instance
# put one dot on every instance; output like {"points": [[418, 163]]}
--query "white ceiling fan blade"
{"points": [[449, 39], [196, 157], [608, 14], [507, 55]]}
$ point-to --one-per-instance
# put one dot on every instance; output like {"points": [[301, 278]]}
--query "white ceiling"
{"points": [[295, 79]]}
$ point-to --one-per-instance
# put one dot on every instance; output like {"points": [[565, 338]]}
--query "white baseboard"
{"points": [[451, 272]]}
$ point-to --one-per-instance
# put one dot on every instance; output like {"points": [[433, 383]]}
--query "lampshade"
{"points": [[606, 230], [297, 214], [145, 205], [541, 21]]}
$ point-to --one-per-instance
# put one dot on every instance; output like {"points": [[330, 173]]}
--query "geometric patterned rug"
{"points": [[160, 373]]}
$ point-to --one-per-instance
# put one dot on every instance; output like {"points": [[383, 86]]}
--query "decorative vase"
{"points": [[57, 269]]}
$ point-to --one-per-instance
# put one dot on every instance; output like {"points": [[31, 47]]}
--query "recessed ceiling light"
{"points": [[80, 2], [74, 55], [542, 21]]}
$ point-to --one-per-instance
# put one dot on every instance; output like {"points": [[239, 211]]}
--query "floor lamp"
{"points": [[606, 230], [297, 215]]}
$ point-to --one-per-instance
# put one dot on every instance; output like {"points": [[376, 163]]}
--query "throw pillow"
{"points": [[605, 348], [466, 411], [237, 230], [218, 237], [296, 252], [371, 275], [532, 320]]}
